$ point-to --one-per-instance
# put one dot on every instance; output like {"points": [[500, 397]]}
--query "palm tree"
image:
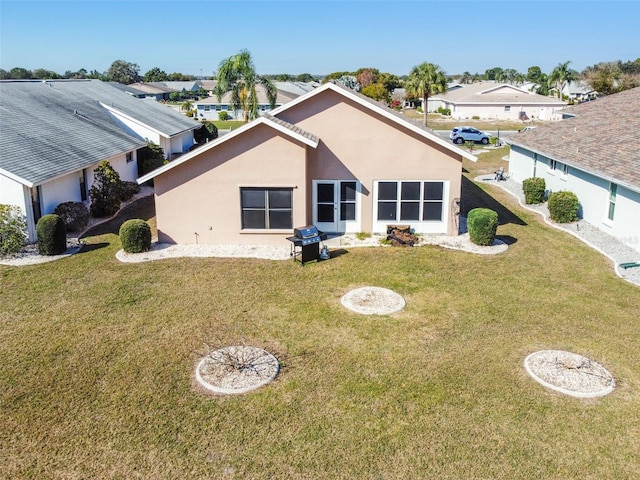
{"points": [[424, 81], [186, 105], [237, 75], [561, 75]]}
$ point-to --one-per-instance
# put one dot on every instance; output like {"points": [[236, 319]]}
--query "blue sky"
{"points": [[317, 37]]}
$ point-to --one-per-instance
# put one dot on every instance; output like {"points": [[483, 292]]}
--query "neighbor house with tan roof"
{"points": [[496, 101], [594, 154], [332, 158]]}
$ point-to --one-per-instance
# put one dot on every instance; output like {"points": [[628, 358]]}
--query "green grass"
{"points": [[97, 358], [228, 124]]}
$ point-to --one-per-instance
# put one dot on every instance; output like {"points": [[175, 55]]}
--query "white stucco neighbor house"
{"points": [[496, 101], [54, 133], [593, 154], [210, 108]]}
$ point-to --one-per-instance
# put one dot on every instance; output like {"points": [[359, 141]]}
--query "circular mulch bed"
{"points": [[373, 301], [569, 373], [236, 369]]}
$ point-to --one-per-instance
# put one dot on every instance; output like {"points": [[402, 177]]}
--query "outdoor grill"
{"points": [[305, 243]]}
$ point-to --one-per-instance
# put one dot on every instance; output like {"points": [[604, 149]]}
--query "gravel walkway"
{"points": [[609, 246]]}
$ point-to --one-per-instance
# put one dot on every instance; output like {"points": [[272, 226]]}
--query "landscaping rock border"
{"points": [[236, 369], [373, 301], [569, 373]]}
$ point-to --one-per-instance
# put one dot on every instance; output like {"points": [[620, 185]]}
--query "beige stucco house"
{"points": [[331, 157]]}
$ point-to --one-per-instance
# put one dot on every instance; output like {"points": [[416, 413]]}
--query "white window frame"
{"points": [[419, 226]]}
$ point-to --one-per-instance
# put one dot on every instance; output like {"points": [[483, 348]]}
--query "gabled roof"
{"points": [[601, 139], [491, 92], [54, 127], [378, 108], [293, 132]]}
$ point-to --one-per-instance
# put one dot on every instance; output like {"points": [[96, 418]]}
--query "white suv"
{"points": [[460, 135]]}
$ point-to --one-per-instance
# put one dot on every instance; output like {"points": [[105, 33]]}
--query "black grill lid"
{"points": [[306, 231]]}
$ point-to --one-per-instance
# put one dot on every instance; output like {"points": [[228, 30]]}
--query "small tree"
{"points": [[106, 191], [563, 207], [223, 116], [482, 224], [52, 235], [208, 131], [13, 229], [150, 158]]}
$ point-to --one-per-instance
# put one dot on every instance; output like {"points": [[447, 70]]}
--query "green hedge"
{"points": [[135, 236], [482, 224], [52, 235], [534, 189], [563, 207]]}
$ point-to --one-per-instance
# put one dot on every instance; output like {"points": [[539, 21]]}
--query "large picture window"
{"points": [[266, 208], [410, 201]]}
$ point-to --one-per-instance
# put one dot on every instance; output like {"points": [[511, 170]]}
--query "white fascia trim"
{"points": [[329, 86], [220, 140], [119, 113], [16, 178]]}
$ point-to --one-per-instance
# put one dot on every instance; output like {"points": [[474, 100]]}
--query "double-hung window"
{"points": [[266, 208], [410, 201], [613, 192]]}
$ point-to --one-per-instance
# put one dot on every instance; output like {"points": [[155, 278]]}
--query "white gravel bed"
{"points": [[164, 250], [609, 246], [236, 369], [569, 373], [373, 301]]}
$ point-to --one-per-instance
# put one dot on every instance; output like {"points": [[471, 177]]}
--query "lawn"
{"points": [[97, 359], [441, 122]]}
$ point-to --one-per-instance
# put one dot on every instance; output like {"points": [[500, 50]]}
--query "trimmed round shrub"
{"points": [[135, 236], [74, 215], [222, 116], [563, 207], [482, 224], [534, 189], [52, 235]]}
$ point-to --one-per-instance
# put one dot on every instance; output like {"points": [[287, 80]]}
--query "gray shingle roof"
{"points": [[601, 138], [292, 127], [51, 128]]}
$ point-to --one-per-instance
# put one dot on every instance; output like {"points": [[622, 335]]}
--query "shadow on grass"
{"points": [[474, 197], [508, 239], [90, 247], [338, 253], [143, 208]]}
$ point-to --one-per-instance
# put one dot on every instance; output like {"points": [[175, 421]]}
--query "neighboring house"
{"points": [[496, 101], [594, 154], [332, 158], [579, 90], [210, 108], [54, 133]]}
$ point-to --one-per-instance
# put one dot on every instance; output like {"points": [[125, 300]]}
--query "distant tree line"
{"points": [[603, 77], [120, 71]]}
